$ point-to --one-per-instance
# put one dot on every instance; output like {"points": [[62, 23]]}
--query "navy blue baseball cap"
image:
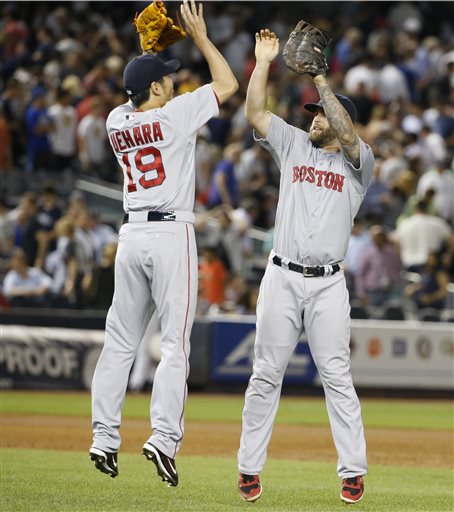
{"points": [[141, 72], [347, 103]]}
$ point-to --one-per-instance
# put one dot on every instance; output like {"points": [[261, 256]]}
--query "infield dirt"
{"points": [[394, 447]]}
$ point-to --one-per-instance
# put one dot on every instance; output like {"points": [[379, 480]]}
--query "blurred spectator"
{"points": [[213, 277], [101, 234], [235, 240], [12, 108], [377, 198], [49, 211], [247, 301], [6, 231], [99, 287], [92, 138], [420, 235], [219, 127], [224, 186], [27, 226], [45, 47], [412, 204], [361, 77], [384, 55], [377, 278], [401, 190], [39, 126], [24, 286], [63, 136], [440, 179], [205, 156], [393, 163], [62, 264], [349, 48], [76, 203], [84, 236], [234, 289], [433, 147], [6, 150], [360, 241], [363, 102], [431, 291], [251, 171], [391, 84]]}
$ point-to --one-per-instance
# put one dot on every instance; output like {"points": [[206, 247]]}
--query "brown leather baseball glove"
{"points": [[304, 50], [156, 30]]}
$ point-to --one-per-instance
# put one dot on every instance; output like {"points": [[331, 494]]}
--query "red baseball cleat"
{"points": [[352, 489], [250, 487]]}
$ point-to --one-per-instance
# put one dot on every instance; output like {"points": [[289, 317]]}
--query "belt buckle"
{"points": [[307, 272]]}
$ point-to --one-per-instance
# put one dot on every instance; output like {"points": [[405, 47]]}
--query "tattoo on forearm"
{"points": [[341, 124]]}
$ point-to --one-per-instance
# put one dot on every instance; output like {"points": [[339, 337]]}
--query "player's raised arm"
{"points": [[224, 82], [304, 53], [266, 50], [339, 121]]}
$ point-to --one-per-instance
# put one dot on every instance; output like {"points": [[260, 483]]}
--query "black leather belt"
{"points": [[305, 270], [153, 216]]}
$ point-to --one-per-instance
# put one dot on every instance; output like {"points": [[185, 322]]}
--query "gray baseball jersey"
{"points": [[155, 149], [156, 264], [320, 194]]}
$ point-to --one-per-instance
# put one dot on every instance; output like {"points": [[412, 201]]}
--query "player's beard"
{"points": [[321, 138]]}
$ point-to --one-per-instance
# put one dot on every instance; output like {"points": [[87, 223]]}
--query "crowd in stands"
{"points": [[61, 73]]}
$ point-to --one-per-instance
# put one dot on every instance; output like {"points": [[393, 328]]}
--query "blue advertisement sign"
{"points": [[233, 354]]}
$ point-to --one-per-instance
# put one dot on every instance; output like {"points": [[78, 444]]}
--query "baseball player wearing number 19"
{"points": [[324, 177], [153, 136]]}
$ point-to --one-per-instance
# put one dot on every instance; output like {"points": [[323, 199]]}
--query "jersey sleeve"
{"points": [[279, 139], [191, 111], [363, 174]]}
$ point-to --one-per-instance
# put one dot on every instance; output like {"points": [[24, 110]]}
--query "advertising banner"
{"points": [[384, 354], [48, 357], [395, 354], [233, 353]]}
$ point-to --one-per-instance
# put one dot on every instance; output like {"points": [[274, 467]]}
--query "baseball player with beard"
{"points": [[324, 177], [153, 136]]}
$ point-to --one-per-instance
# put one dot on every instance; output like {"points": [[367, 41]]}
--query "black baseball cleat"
{"points": [[166, 467], [106, 462]]}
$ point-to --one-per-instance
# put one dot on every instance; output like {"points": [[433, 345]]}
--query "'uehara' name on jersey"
{"points": [[137, 136], [326, 179]]}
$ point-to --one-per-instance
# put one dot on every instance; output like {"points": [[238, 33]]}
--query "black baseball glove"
{"points": [[304, 50]]}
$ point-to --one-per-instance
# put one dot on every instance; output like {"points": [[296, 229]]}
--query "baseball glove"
{"points": [[304, 50], [156, 30]]}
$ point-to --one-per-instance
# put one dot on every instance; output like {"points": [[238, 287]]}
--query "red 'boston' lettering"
{"points": [[138, 136], [329, 180], [310, 175], [157, 133], [320, 176], [296, 174], [338, 182]]}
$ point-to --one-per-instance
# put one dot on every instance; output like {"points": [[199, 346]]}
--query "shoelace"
{"points": [[352, 480], [246, 479]]}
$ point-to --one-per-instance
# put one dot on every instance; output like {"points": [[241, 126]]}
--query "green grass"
{"points": [[45, 481], [426, 415]]}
